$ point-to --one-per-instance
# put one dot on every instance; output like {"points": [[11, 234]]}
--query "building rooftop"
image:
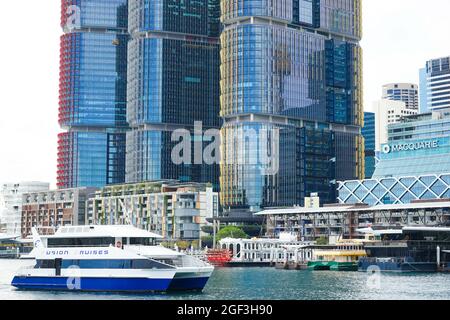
{"points": [[356, 208]]}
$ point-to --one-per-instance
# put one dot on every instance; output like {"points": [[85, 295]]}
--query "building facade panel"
{"points": [[49, 210], [90, 159], [91, 95], [92, 102], [418, 145], [99, 14], [270, 67], [173, 84], [283, 169], [437, 81], [368, 132], [174, 210], [406, 92], [11, 204], [395, 190]]}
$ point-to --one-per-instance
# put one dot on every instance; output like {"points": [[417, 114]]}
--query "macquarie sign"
{"points": [[413, 146]]}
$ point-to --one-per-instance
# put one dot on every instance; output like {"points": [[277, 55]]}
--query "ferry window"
{"points": [[45, 264], [79, 242], [142, 241], [103, 264], [146, 264]]}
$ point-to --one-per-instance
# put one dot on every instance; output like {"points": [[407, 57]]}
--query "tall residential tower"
{"points": [[173, 85], [435, 85], [291, 100], [406, 92], [92, 101]]}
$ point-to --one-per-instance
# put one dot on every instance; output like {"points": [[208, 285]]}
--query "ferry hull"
{"points": [[332, 266], [188, 284], [92, 284], [188, 279], [391, 266]]}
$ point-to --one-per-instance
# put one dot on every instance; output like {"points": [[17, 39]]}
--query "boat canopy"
{"points": [[114, 231]]}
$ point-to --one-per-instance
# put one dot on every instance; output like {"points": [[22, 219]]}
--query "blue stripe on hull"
{"points": [[93, 284], [186, 284], [399, 267]]}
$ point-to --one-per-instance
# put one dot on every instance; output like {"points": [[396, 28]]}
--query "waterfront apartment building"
{"points": [[343, 221], [291, 99], [173, 89], [435, 85], [49, 210], [406, 92], [388, 112], [368, 132], [92, 93], [175, 210], [11, 204]]}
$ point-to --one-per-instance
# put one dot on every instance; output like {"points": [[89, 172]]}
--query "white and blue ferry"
{"points": [[131, 253]]}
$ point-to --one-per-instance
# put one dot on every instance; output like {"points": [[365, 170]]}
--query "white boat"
{"points": [[191, 273]]}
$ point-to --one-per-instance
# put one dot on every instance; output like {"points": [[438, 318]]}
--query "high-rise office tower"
{"points": [[291, 100], [435, 85], [406, 92], [368, 132], [92, 102], [386, 113], [173, 82]]}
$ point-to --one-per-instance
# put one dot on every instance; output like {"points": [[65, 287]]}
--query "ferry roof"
{"points": [[119, 231], [438, 229], [8, 237], [353, 208]]}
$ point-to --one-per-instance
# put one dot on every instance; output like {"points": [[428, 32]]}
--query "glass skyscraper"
{"points": [[435, 85], [368, 132], [92, 101], [173, 82], [290, 76]]}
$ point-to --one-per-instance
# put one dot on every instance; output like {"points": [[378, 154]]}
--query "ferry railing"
{"points": [[190, 261]]}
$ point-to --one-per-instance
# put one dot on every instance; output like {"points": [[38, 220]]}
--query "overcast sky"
{"points": [[399, 36]]}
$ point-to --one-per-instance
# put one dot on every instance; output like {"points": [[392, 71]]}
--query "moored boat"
{"points": [[341, 257], [190, 272], [106, 269]]}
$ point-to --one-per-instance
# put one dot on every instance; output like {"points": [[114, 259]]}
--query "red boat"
{"points": [[219, 257]]}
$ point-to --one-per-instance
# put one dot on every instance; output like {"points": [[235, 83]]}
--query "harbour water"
{"points": [[267, 284]]}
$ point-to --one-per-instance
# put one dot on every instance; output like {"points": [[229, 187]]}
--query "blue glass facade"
{"points": [[301, 161], [173, 82], [423, 96], [435, 84], [284, 71], [93, 77], [368, 132], [419, 145], [90, 158]]}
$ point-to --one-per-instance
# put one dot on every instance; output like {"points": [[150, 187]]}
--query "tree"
{"points": [[231, 232], [207, 241], [183, 245], [322, 241]]}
